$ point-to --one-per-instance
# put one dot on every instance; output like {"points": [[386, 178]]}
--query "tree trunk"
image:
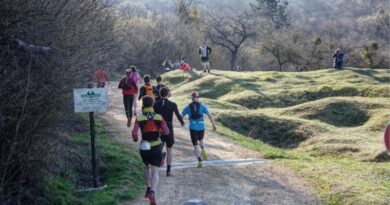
{"points": [[233, 59]]}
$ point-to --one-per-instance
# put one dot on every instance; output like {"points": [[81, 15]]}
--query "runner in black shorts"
{"points": [[196, 135], [152, 125], [196, 110], [166, 108]]}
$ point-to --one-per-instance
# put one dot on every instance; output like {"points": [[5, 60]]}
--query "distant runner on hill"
{"points": [[167, 64], [184, 66], [338, 59], [101, 77], [195, 110], [166, 108], [204, 52]]}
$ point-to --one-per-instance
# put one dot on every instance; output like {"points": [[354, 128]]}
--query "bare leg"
{"points": [[197, 152], [155, 178], [135, 104], [201, 144], [169, 156], [148, 176]]}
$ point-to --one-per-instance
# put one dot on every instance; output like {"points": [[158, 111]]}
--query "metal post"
{"points": [[93, 151]]}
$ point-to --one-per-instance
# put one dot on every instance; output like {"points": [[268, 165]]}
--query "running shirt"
{"points": [[204, 51], [198, 124], [166, 108], [101, 75], [127, 89]]}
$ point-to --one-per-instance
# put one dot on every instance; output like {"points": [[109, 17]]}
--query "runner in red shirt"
{"points": [[128, 91], [101, 77]]}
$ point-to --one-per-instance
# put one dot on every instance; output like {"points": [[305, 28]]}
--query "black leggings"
{"points": [[128, 102]]}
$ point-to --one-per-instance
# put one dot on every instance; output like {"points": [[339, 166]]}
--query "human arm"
{"points": [[142, 93], [212, 121], [208, 50], [164, 128], [206, 111], [120, 85], [134, 133], [185, 112], [179, 117]]}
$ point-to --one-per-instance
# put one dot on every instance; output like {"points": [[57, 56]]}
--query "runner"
{"points": [[101, 77], [147, 89], [151, 125], [204, 52], [158, 88], [135, 79], [195, 111], [184, 66], [128, 91], [167, 64], [166, 108]]}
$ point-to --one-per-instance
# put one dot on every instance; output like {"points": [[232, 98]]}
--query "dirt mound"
{"points": [[340, 114], [281, 133]]}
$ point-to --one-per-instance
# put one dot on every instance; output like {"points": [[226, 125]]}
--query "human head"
{"points": [[204, 43], [133, 68], [128, 72], [147, 101], [147, 79], [194, 96], [158, 79], [164, 92]]}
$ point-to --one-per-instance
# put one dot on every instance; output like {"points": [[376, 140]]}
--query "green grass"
{"points": [[120, 168], [326, 125]]}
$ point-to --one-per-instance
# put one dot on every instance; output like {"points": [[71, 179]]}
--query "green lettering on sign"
{"points": [[90, 94]]}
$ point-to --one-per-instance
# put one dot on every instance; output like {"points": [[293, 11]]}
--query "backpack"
{"points": [[149, 125], [158, 87], [133, 79], [149, 90], [195, 111], [125, 83]]}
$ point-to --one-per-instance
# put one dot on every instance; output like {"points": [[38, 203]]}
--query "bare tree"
{"points": [[231, 32]]}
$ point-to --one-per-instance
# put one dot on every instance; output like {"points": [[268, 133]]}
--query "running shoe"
{"points": [[151, 197], [164, 154], [204, 154], [147, 192], [200, 164], [169, 174], [128, 122]]}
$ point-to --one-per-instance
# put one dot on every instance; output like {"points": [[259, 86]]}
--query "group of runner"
{"points": [[204, 53], [156, 124]]}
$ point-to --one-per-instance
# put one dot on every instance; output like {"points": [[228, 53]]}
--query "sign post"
{"points": [[91, 100], [387, 138], [93, 151]]}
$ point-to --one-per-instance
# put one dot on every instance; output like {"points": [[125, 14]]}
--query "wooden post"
{"points": [[93, 150]]}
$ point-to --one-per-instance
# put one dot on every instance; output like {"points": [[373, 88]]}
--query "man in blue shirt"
{"points": [[195, 110]]}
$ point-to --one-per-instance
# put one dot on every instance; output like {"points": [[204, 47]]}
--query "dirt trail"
{"points": [[246, 184]]}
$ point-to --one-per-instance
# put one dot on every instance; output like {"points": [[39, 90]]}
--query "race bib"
{"points": [[144, 145]]}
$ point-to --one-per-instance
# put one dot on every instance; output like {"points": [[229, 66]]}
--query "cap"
{"points": [[194, 94]]}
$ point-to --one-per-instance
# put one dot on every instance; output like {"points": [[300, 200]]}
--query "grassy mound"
{"points": [[277, 132], [327, 125], [340, 114]]}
